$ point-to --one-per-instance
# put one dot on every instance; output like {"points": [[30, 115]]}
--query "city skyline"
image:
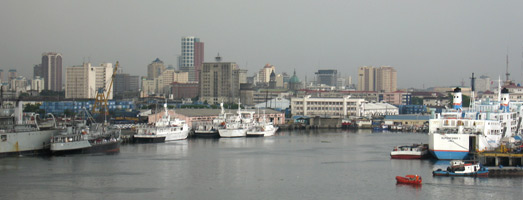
{"points": [[445, 41]]}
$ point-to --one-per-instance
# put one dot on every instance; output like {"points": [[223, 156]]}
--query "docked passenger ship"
{"points": [[456, 133], [165, 129]]}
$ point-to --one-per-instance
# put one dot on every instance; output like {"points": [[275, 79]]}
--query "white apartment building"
{"points": [[18, 84], [85, 80], [264, 76], [327, 107], [37, 84]]}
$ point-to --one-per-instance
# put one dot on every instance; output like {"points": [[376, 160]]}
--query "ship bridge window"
{"points": [[3, 138]]}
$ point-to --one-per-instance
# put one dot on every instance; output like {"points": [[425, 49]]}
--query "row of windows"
{"points": [[325, 103], [325, 108]]}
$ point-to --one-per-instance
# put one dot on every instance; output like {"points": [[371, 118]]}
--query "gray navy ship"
{"points": [[21, 134]]}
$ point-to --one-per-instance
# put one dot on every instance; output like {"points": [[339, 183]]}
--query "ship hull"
{"points": [[449, 146], [206, 134], [177, 135], [228, 133], [105, 148], [26, 143], [146, 139]]}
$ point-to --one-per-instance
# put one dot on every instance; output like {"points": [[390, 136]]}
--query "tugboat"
{"points": [[461, 168]]}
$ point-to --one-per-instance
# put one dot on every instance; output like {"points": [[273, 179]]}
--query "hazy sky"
{"points": [[429, 43]]}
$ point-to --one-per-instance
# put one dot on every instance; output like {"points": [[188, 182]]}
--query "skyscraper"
{"points": [[52, 71], [328, 77], [155, 69], [37, 71], [11, 75], [85, 80], [366, 78], [192, 57], [220, 82], [386, 79], [381, 79]]}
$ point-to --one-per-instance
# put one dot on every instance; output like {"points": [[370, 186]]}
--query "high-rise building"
{"points": [[483, 83], [37, 71], [155, 69], [86, 80], [381, 79], [52, 71], [125, 83], [2, 76], [366, 78], [220, 82], [12, 75], [37, 84], [264, 76], [386, 79], [192, 57], [328, 77]]}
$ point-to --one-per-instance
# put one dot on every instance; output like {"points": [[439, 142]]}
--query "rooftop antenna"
{"points": [[507, 74], [218, 58], [473, 89]]}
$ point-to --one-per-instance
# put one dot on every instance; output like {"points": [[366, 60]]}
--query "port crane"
{"points": [[102, 96]]}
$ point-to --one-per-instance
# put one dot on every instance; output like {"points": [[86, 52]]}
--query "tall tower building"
{"points": [[52, 71], [155, 69], [366, 78], [192, 57], [381, 79], [85, 80], [37, 71], [2, 76], [220, 82], [12, 75], [264, 76], [386, 79], [327, 77]]}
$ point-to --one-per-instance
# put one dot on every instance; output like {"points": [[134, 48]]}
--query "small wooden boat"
{"points": [[409, 179], [461, 168]]}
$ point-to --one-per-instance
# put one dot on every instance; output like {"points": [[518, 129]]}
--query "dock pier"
{"points": [[497, 159]]}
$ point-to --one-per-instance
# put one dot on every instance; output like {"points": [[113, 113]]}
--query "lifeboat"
{"points": [[409, 179]]}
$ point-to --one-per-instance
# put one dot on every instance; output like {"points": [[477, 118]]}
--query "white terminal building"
{"points": [[339, 107], [83, 81]]}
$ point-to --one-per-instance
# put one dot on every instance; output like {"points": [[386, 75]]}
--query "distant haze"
{"points": [[429, 43]]}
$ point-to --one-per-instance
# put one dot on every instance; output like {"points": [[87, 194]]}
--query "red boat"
{"points": [[409, 179]]}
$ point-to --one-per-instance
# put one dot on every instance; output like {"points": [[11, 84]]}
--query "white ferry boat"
{"points": [[454, 134], [166, 129]]}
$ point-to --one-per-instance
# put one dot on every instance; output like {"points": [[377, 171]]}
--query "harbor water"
{"points": [[311, 164]]}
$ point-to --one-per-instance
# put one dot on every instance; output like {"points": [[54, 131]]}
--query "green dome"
{"points": [[294, 79]]}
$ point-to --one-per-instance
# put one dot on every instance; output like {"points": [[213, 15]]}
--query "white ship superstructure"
{"points": [[20, 134], [237, 126], [455, 133], [166, 129]]}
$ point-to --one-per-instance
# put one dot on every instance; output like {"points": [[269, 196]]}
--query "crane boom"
{"points": [[101, 98]]}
